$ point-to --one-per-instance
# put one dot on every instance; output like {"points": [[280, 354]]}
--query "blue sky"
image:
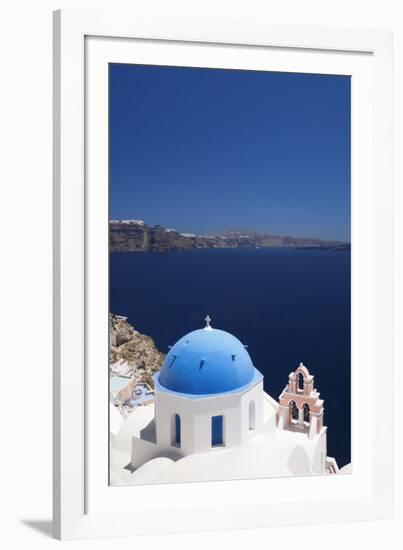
{"points": [[202, 150]]}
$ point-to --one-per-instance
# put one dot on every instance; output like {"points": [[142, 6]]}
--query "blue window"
{"points": [[177, 429], [217, 430]]}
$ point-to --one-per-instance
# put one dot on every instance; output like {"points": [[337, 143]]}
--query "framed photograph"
{"points": [[223, 274]]}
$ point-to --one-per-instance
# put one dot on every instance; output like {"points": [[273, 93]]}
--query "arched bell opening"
{"points": [[307, 413], [293, 411], [300, 382]]}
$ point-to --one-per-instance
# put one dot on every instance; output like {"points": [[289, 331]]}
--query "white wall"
{"points": [[195, 418], [25, 218]]}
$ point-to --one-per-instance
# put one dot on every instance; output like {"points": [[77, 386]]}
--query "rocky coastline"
{"points": [[132, 354], [137, 236]]}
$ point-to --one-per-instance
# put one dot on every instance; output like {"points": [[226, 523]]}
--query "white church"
{"points": [[212, 420]]}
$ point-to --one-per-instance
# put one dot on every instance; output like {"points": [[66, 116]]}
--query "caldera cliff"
{"points": [[132, 354], [137, 236]]}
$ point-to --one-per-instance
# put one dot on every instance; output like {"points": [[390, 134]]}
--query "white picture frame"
{"points": [[84, 505]]}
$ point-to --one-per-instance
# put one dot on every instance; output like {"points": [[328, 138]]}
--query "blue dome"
{"points": [[206, 362]]}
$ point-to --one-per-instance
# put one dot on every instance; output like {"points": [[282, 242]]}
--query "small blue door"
{"points": [[217, 430]]}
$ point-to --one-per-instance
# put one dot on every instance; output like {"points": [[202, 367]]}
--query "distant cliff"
{"points": [[132, 353], [137, 236]]}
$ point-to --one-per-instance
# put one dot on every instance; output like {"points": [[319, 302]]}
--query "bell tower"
{"points": [[301, 408]]}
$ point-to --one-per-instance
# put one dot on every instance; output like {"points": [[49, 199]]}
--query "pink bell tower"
{"points": [[301, 408]]}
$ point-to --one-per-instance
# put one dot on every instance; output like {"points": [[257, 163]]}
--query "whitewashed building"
{"points": [[208, 395], [209, 399]]}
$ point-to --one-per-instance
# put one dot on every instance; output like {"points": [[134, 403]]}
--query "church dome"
{"points": [[206, 361]]}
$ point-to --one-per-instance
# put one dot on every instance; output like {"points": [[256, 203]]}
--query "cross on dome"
{"points": [[208, 320]]}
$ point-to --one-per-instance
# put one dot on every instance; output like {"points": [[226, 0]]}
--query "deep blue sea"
{"points": [[287, 305]]}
